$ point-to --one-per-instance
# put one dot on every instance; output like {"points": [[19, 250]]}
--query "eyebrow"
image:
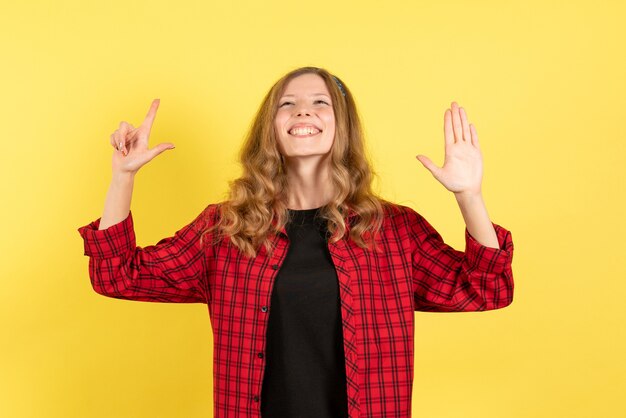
{"points": [[315, 94]]}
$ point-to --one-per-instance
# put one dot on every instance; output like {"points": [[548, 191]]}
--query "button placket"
{"points": [[265, 308]]}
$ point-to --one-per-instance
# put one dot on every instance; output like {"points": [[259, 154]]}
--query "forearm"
{"points": [[117, 203], [476, 219]]}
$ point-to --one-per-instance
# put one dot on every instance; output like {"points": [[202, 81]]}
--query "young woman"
{"points": [[311, 280]]}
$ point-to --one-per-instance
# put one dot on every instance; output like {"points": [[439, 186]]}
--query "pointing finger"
{"points": [[149, 120]]}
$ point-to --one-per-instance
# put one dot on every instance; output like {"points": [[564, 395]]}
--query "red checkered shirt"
{"points": [[379, 293]]}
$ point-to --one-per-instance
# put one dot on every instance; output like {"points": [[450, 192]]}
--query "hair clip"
{"points": [[340, 86]]}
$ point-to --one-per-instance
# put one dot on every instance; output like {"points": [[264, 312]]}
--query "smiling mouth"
{"points": [[305, 135], [304, 131]]}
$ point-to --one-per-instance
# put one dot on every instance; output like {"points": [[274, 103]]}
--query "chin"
{"points": [[305, 154]]}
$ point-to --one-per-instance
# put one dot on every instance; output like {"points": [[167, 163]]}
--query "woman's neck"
{"points": [[310, 185]]}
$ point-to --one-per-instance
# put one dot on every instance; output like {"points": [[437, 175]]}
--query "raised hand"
{"points": [[131, 144], [462, 169]]}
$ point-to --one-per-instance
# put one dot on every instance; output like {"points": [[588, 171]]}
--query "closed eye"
{"points": [[316, 101]]}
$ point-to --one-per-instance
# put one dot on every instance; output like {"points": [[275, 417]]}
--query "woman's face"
{"points": [[305, 120]]}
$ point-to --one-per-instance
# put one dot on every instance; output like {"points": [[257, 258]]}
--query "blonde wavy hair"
{"points": [[256, 206]]}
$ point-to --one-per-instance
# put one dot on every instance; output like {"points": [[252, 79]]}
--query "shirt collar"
{"points": [[349, 219]]}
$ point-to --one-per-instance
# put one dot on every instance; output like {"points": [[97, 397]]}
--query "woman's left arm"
{"points": [[462, 173], [446, 279]]}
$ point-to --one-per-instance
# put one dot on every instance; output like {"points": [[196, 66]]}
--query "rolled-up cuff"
{"points": [[110, 242], [488, 259]]}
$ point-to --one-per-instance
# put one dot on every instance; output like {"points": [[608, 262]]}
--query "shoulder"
{"points": [[209, 216], [395, 212], [397, 217]]}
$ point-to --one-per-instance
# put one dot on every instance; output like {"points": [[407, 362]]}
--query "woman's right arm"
{"points": [[173, 270]]}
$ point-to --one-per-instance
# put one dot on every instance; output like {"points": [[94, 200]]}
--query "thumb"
{"points": [[428, 164], [160, 148]]}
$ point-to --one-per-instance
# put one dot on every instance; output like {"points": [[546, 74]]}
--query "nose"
{"points": [[302, 110]]}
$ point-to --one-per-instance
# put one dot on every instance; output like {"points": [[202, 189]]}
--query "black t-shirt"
{"points": [[305, 371]]}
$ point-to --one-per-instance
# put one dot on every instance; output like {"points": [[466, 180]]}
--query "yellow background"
{"points": [[543, 81]]}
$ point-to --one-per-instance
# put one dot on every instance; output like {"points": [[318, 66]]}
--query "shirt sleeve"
{"points": [[172, 270], [447, 280]]}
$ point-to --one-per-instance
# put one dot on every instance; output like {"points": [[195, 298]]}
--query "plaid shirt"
{"points": [[379, 293]]}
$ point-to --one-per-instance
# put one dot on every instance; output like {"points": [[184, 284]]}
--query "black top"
{"points": [[305, 371]]}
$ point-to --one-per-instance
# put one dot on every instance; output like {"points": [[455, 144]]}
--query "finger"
{"points": [[131, 136], [131, 130], [123, 130], [149, 120], [426, 162], [160, 148], [466, 130], [474, 136], [124, 143], [116, 141], [456, 122], [448, 133], [115, 137]]}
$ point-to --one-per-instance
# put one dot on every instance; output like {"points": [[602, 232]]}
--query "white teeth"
{"points": [[304, 131]]}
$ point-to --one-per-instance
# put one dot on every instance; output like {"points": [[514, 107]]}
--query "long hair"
{"points": [[256, 207]]}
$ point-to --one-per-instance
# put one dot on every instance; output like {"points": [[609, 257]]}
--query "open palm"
{"points": [[462, 169]]}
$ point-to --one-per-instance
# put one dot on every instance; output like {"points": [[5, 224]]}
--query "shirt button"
{"points": [[263, 308], [255, 398], [260, 355], [275, 266]]}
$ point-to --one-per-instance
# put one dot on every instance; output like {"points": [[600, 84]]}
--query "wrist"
{"points": [[123, 177], [467, 197]]}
